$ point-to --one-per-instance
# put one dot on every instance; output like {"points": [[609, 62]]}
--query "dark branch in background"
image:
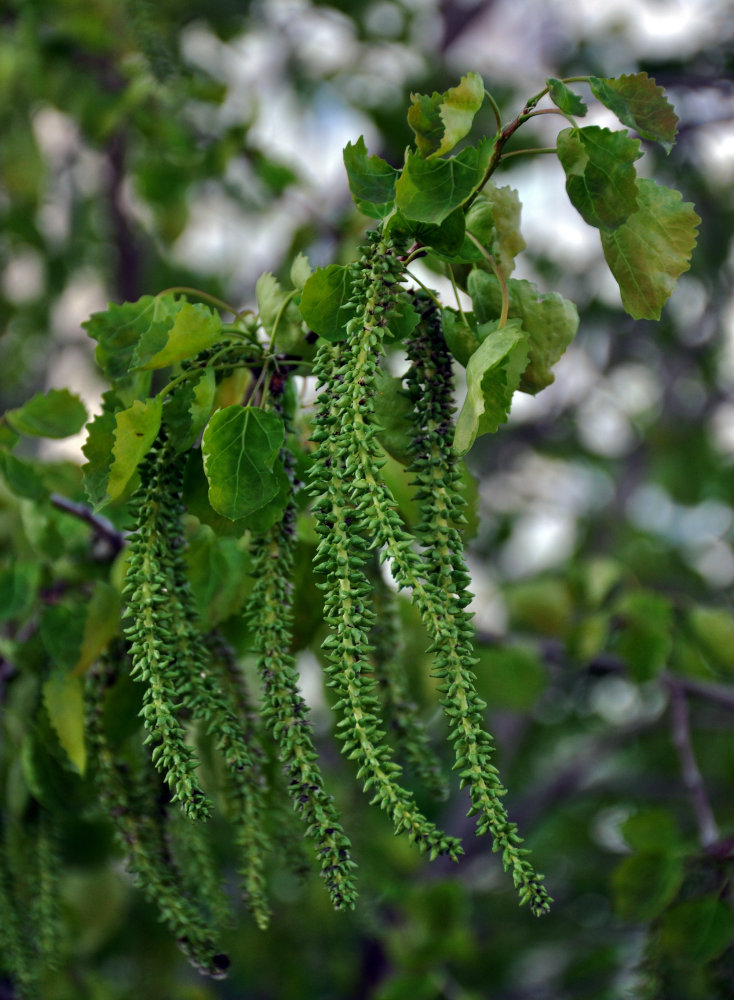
{"points": [[708, 831], [103, 529], [457, 17], [127, 275]]}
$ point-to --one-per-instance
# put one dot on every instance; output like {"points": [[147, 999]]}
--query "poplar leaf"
{"points": [[442, 120], [18, 585], [600, 179], [63, 697], [135, 431], [182, 332], [494, 219], [98, 452], [430, 190], [188, 409], [240, 448], [301, 271], [278, 312], [117, 331], [652, 249], [460, 334], [492, 375], [393, 413], [101, 625], [565, 99], [57, 413], [697, 931], [371, 180], [445, 240], [550, 322], [640, 104], [21, 477], [324, 301]]}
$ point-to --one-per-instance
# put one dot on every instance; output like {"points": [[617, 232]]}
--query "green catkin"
{"points": [[152, 634], [270, 617], [246, 788], [401, 712], [345, 477], [215, 705], [442, 594], [129, 795], [46, 908], [17, 952]]}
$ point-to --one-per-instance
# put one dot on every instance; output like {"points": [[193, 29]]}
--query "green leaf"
{"points": [[135, 431], [371, 180], [565, 99], [57, 413], [460, 335], [492, 375], [698, 931], [494, 219], [401, 318], [301, 271], [644, 636], [117, 331], [393, 413], [510, 677], [640, 104], [324, 301], [644, 884], [218, 572], [196, 498], [653, 830], [179, 334], [445, 240], [442, 120], [240, 447], [62, 632], [652, 249], [98, 451], [430, 190], [101, 625], [278, 312], [18, 585], [188, 409], [550, 322], [601, 180], [714, 629], [542, 605], [63, 696], [21, 477]]}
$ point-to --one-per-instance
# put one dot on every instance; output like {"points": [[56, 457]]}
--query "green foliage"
{"points": [[224, 570]]}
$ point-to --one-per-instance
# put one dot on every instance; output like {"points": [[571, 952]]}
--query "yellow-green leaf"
{"points": [[135, 431], [650, 251], [63, 697], [441, 120]]}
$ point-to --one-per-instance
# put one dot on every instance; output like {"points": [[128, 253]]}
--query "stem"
{"points": [[219, 303], [500, 278], [102, 527], [523, 152], [551, 111], [495, 109], [708, 831], [456, 293]]}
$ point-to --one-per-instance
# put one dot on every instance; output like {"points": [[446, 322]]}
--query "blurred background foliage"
{"points": [[146, 145]]}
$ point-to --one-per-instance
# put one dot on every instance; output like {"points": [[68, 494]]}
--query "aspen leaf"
{"points": [[442, 120], [101, 625], [324, 301], [184, 331], [63, 697], [21, 477], [565, 99], [188, 409], [300, 271], [135, 431], [601, 180], [430, 190], [644, 884], [652, 249], [640, 104], [371, 180], [697, 931], [98, 452], [550, 322], [240, 448], [117, 331], [57, 413], [492, 375]]}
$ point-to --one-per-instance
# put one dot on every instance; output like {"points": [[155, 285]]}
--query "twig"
{"points": [[103, 528], [708, 831]]}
